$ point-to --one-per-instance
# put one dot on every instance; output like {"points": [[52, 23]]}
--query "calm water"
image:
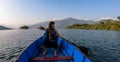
{"points": [[104, 44]]}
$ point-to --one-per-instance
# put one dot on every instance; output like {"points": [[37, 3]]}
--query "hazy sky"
{"points": [[26, 12]]}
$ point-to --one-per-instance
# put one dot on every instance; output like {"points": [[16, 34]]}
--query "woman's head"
{"points": [[51, 25]]}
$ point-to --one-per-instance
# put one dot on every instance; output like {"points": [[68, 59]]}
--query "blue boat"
{"points": [[66, 53]]}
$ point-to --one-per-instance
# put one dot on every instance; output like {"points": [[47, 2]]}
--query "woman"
{"points": [[51, 40]]}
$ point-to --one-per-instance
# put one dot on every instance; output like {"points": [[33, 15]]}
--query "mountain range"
{"points": [[63, 22], [4, 28]]}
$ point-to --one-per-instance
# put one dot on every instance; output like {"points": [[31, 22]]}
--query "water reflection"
{"points": [[104, 44]]}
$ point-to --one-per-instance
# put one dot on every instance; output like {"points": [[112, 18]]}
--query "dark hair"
{"points": [[50, 24]]}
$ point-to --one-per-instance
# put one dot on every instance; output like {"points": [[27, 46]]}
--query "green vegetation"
{"points": [[118, 18], [24, 27], [108, 24]]}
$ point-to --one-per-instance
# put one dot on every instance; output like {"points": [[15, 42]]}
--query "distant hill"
{"points": [[105, 21], [4, 28], [63, 22], [107, 24]]}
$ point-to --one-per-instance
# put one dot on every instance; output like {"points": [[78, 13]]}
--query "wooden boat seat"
{"points": [[52, 58], [48, 47]]}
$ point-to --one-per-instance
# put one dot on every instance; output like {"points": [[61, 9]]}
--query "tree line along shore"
{"points": [[106, 24]]}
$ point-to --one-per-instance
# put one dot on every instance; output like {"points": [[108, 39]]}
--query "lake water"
{"points": [[105, 45]]}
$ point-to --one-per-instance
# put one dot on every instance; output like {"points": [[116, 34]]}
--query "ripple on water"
{"points": [[105, 45], [9, 54]]}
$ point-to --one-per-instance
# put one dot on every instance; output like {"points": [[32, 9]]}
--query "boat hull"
{"points": [[65, 49]]}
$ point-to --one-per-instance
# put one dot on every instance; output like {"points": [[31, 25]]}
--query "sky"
{"points": [[26, 12]]}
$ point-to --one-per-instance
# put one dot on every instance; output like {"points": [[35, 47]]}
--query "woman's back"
{"points": [[51, 34]]}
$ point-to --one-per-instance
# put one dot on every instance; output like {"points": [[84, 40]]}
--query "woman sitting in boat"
{"points": [[51, 40]]}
